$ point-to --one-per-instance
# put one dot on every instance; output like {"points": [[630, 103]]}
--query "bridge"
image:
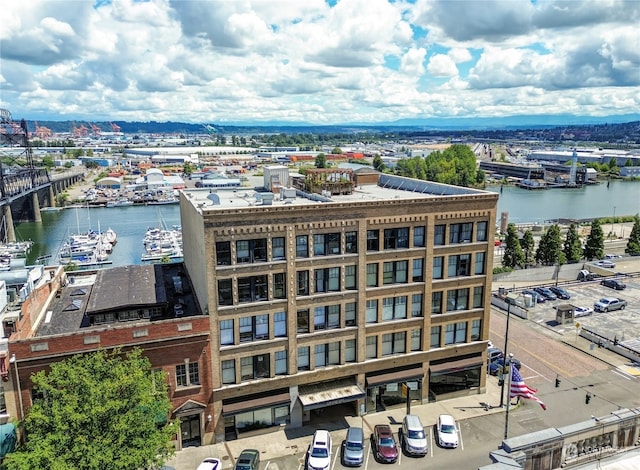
{"points": [[25, 189]]}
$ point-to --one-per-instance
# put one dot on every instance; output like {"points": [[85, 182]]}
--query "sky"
{"points": [[318, 62]]}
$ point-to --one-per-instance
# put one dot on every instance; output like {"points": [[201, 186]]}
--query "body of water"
{"points": [[131, 223]]}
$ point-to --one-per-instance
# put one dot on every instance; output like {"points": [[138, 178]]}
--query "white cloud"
{"points": [[441, 65]]}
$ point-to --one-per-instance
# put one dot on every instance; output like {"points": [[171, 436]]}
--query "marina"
{"points": [[162, 245]]}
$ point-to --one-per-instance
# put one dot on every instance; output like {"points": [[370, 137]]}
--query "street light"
{"points": [[13, 361], [506, 342], [506, 416]]}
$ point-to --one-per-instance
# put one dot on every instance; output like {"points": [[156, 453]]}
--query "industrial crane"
{"points": [[95, 129], [114, 127]]}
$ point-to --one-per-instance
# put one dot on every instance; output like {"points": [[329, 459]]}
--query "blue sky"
{"points": [[318, 61]]}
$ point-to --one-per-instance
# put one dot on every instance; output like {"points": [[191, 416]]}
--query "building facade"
{"points": [[329, 300]]}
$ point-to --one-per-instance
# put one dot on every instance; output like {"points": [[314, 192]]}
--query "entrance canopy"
{"points": [[324, 394], [229, 409], [396, 376], [455, 366]]}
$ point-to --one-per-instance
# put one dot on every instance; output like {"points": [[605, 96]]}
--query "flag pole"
{"points": [[506, 416], [506, 343]]}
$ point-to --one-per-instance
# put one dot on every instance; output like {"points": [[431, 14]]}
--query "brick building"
{"points": [[343, 302]]}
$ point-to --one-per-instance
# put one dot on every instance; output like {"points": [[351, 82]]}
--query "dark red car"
{"points": [[384, 444]]}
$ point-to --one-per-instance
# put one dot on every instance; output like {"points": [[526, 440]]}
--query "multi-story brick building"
{"points": [[340, 292]]}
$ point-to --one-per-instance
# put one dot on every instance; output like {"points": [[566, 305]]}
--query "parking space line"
{"points": [[431, 441], [460, 436], [623, 374]]}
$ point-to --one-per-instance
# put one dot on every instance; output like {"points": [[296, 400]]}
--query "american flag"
{"points": [[520, 389]]}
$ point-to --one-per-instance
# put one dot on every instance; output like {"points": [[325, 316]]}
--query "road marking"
{"points": [[460, 436], [623, 374]]}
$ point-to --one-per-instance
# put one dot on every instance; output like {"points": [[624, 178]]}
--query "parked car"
{"points": [[546, 293], [319, 453], [353, 448], [447, 431], [384, 444], [612, 256], [249, 459], [582, 312], [539, 299], [605, 263], [613, 284], [497, 366], [210, 463], [493, 354], [560, 293], [585, 275], [414, 439]]}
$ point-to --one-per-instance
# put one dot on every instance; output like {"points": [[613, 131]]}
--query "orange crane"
{"points": [[114, 127], [43, 132], [95, 129], [81, 131]]}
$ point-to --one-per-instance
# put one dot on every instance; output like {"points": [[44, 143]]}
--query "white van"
{"points": [[414, 439]]}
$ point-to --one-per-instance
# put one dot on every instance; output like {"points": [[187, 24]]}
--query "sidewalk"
{"points": [[295, 442]]}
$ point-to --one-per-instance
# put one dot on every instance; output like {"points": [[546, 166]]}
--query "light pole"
{"points": [[601, 440], [506, 343], [506, 415], [613, 220], [13, 361]]}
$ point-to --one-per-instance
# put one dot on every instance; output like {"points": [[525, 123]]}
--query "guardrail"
{"points": [[612, 345]]}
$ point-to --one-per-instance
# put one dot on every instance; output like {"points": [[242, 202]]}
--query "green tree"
{"points": [[633, 245], [378, 164], [594, 246], [98, 411], [528, 245], [336, 151], [572, 245], [48, 162], [549, 250], [513, 255], [321, 160]]}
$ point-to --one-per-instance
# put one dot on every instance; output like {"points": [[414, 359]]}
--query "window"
{"points": [[373, 240], [479, 268], [326, 244], [372, 275], [251, 251], [302, 246], [280, 324], [438, 235], [326, 354], [393, 343], [327, 280], [417, 273], [350, 277], [351, 242], [278, 248], [459, 265], [350, 314], [478, 296], [303, 321], [372, 311], [372, 347], [279, 291], [435, 336], [252, 289], [395, 238], [436, 302], [460, 233], [303, 358], [281, 362], [187, 374], [416, 305], [350, 350], [394, 272], [455, 333], [457, 299], [481, 227], [226, 332], [475, 330], [394, 308], [223, 253], [254, 367], [326, 318], [416, 339], [438, 262], [229, 372], [225, 292], [254, 328], [418, 236], [303, 283]]}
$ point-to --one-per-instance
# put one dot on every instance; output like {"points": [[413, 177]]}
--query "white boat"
{"points": [[160, 244], [122, 202]]}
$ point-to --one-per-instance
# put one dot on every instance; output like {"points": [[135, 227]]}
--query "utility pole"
{"points": [[506, 343], [506, 416]]}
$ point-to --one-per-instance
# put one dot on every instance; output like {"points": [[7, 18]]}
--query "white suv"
{"points": [[319, 453]]}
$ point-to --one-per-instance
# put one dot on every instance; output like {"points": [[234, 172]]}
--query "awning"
{"points": [[394, 377], [453, 366], [255, 404], [328, 393]]}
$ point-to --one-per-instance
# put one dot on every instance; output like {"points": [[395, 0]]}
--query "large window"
{"points": [[252, 289], [394, 272], [372, 311], [326, 318], [478, 296], [302, 246], [303, 358], [303, 283], [278, 248], [372, 275], [350, 318], [395, 238], [455, 333], [223, 253], [327, 280], [350, 277], [394, 343], [479, 268], [459, 265], [279, 286], [435, 336], [225, 292], [280, 325], [460, 233], [457, 299], [416, 305], [436, 302], [394, 308], [438, 270], [438, 234], [280, 362], [226, 332], [254, 367], [251, 251], [373, 240], [326, 354], [481, 227], [187, 374], [350, 350], [418, 236], [326, 244], [254, 328], [229, 372], [351, 242], [416, 339], [476, 326], [372, 347], [417, 273], [303, 321]]}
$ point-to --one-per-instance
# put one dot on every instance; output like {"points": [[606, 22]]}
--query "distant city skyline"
{"points": [[321, 62]]}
